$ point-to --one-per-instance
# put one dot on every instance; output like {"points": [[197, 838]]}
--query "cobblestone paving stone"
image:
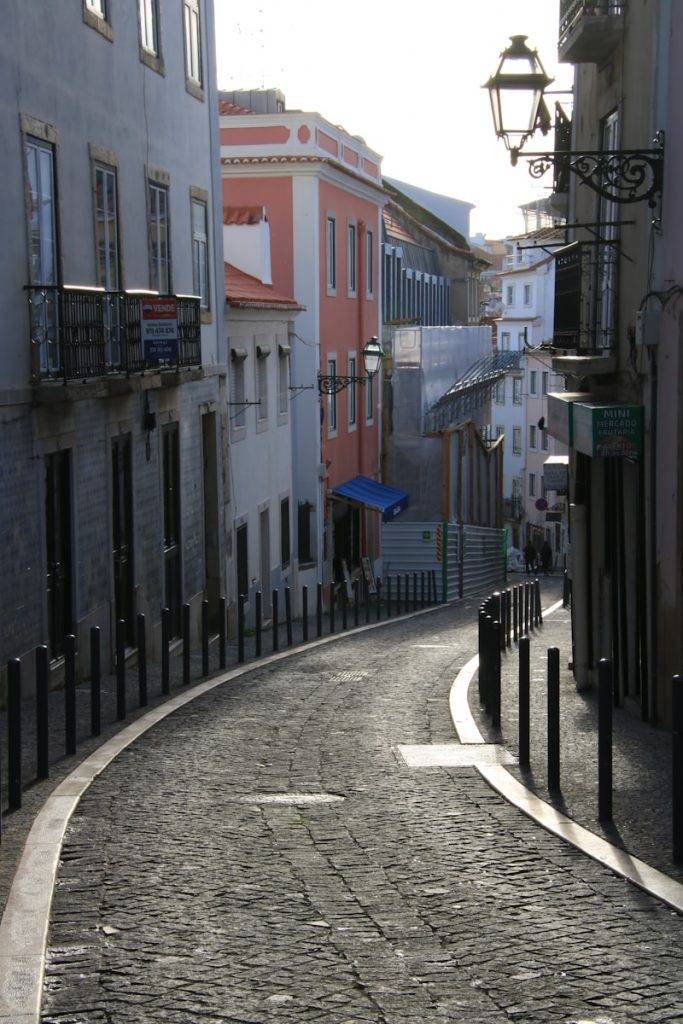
{"points": [[422, 896], [642, 753]]}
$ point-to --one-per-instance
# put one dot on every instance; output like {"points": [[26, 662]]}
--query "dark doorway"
{"points": [[122, 534], [346, 541], [58, 549], [212, 569], [172, 529]]}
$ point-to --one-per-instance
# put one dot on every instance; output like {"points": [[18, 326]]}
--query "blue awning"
{"points": [[387, 500]]}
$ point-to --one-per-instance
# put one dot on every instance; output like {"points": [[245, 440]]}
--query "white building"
{"points": [[113, 500]]}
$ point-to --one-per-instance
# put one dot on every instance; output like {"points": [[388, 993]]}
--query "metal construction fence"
{"points": [[465, 558]]}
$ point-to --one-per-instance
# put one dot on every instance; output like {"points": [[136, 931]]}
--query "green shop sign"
{"points": [[608, 430]]}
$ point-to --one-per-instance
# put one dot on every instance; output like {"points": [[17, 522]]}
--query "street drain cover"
{"points": [[454, 755], [348, 677], [291, 798]]}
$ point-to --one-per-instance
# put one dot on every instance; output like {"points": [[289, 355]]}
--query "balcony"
{"points": [[79, 333], [587, 299], [590, 30]]}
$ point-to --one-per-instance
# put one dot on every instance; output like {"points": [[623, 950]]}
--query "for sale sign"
{"points": [[159, 328]]}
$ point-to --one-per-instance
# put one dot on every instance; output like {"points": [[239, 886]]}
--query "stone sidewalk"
{"points": [[641, 756], [197, 887]]}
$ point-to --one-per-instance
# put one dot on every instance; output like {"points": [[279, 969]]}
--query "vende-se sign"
{"points": [[159, 328]]}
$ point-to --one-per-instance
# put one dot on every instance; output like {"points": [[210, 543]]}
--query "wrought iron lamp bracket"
{"points": [[332, 385]]}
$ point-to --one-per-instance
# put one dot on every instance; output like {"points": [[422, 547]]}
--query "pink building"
{"points": [[321, 192]]}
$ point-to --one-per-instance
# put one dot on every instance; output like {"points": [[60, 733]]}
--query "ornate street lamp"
{"points": [[516, 93], [372, 360], [519, 110]]}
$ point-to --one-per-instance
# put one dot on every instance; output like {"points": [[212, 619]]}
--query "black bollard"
{"points": [[388, 597], [515, 611], [356, 603], [525, 597], [532, 607], [378, 599], [508, 594], [120, 670], [240, 628], [258, 624], [524, 687], [398, 594], [319, 610], [605, 712], [185, 623], [480, 648], [288, 615], [222, 636], [95, 681], [304, 614], [165, 644], [677, 774], [367, 602], [565, 589], [422, 589], [414, 591], [495, 675], [406, 596], [70, 695], [42, 722], [537, 602], [553, 719], [488, 660], [345, 607], [205, 639], [142, 659], [434, 587], [276, 620], [14, 734], [497, 613], [332, 601]]}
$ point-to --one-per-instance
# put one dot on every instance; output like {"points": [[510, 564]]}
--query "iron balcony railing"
{"points": [[572, 10], [79, 332]]}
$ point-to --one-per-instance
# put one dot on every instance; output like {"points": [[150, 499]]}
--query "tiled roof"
{"points": [[540, 234], [225, 108], [243, 214], [247, 292]]}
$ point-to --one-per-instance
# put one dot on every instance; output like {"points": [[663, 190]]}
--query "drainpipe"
{"points": [[653, 538], [359, 389]]}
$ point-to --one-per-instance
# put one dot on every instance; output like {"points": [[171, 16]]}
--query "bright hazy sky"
{"points": [[405, 76]]}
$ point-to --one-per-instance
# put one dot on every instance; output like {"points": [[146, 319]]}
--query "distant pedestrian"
{"points": [[530, 558], [546, 558]]}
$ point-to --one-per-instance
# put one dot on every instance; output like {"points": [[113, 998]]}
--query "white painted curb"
{"points": [[25, 922], [652, 881]]}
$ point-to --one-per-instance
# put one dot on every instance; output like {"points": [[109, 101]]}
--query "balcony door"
{"points": [[172, 524], [122, 534], [58, 549], [108, 254], [42, 251]]}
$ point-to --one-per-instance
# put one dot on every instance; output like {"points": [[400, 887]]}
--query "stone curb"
{"points": [[647, 878], [25, 922]]}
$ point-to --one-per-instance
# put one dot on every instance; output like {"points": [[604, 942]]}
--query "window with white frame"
{"points": [[517, 390], [331, 399], [544, 382], [193, 41], [510, 295], [533, 382], [157, 216], [517, 440], [283, 380], [149, 26], [505, 341], [532, 485], [107, 227], [351, 258], [532, 436], [500, 391], [351, 392], [331, 253], [369, 399], [200, 252], [544, 439], [238, 409], [527, 294], [262, 354], [369, 263]]}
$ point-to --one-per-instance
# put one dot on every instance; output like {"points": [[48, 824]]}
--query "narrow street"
{"points": [[188, 894]]}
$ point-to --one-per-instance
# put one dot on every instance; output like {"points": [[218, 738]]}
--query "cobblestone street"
{"points": [[187, 895]]}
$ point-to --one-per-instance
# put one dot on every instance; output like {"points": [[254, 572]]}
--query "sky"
{"points": [[406, 76]]}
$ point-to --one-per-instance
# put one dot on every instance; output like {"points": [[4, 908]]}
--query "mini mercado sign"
{"points": [[159, 328], [608, 431]]}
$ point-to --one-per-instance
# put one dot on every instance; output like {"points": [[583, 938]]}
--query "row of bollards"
{"points": [[421, 586]]}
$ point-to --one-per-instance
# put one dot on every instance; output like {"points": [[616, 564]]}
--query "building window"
{"points": [[532, 485], [532, 436], [262, 382], [544, 439], [283, 380], [351, 392], [98, 7], [517, 440], [527, 294], [331, 399], [200, 253], [242, 560], [500, 392], [42, 234], [238, 411], [351, 259], [369, 263], [285, 545], [517, 390], [304, 532], [544, 382], [159, 260], [331, 254], [369, 399], [193, 45], [505, 341], [106, 228], [533, 382], [510, 295], [149, 26]]}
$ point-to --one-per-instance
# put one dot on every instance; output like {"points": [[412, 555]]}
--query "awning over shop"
{"points": [[387, 500]]}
